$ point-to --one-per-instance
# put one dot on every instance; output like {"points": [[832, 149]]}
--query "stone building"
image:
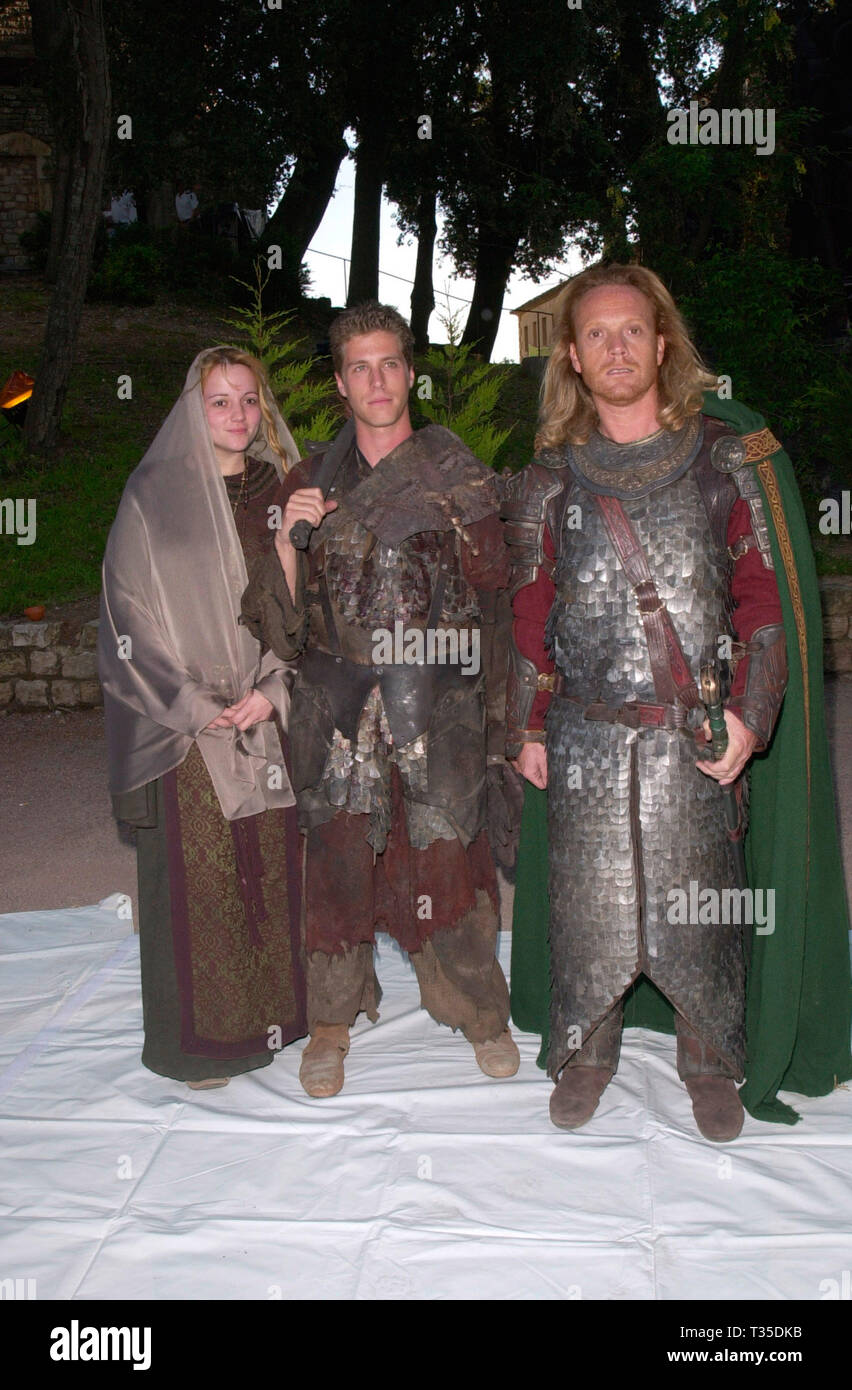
{"points": [[25, 136], [537, 321]]}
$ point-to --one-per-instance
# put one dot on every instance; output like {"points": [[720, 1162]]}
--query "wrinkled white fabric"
{"points": [[423, 1179]]}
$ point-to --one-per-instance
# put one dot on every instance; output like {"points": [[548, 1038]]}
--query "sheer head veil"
{"points": [[171, 650]]}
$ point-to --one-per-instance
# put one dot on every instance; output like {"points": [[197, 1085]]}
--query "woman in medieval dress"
{"points": [[195, 715]]}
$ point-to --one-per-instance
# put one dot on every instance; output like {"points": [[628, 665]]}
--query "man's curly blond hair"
{"points": [[567, 412]]}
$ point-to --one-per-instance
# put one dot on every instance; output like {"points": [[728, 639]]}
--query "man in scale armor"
{"points": [[642, 549]]}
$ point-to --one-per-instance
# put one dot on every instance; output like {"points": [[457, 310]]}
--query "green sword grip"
{"points": [[718, 731], [715, 713]]}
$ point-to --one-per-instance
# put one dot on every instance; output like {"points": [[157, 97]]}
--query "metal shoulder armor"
{"points": [[730, 455], [527, 500]]}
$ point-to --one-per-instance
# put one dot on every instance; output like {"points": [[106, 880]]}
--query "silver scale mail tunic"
{"points": [[644, 820]]}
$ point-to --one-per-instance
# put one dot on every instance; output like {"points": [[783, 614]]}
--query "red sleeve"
{"points": [[754, 589], [531, 607]]}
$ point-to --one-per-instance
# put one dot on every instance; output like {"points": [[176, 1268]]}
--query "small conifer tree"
{"points": [[462, 394], [303, 403]]}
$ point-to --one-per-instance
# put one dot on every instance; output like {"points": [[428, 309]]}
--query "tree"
{"points": [[383, 40], [534, 163], [820, 39], [241, 102], [198, 95], [304, 57], [302, 205], [737, 237], [69, 39], [432, 144]]}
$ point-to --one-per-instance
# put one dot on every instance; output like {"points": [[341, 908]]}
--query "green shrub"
{"points": [[129, 274], [759, 318], [461, 394], [36, 242]]}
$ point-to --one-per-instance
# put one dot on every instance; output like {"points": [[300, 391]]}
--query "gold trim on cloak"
{"points": [[773, 497], [759, 445]]}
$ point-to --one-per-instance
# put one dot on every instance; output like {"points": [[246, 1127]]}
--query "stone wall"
{"points": [[23, 108], [49, 665], [52, 665], [25, 169], [837, 620]]}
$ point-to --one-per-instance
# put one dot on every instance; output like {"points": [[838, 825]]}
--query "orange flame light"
{"points": [[18, 388]]}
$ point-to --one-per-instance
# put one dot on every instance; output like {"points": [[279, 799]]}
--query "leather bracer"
{"points": [[521, 689], [766, 682]]}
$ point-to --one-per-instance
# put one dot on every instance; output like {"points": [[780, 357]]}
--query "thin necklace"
{"points": [[242, 492]]}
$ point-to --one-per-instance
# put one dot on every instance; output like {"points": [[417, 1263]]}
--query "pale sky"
{"points": [[334, 239]]}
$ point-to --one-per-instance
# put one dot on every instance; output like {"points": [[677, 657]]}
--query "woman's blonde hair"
{"points": [[235, 357], [567, 411]]}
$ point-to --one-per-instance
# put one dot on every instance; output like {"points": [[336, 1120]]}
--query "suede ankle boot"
{"points": [[576, 1094]]}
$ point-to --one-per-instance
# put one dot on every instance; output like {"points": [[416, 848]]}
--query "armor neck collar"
{"points": [[636, 469]]}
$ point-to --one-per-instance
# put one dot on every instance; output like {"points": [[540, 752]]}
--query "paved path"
{"points": [[60, 846]]}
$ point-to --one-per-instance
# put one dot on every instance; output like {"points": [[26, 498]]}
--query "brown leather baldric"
{"points": [[674, 682]]}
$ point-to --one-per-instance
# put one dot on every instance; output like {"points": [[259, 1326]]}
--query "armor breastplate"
{"points": [[371, 585], [597, 636], [353, 709]]}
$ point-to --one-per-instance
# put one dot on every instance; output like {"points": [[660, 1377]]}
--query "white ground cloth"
{"points": [[423, 1179]]}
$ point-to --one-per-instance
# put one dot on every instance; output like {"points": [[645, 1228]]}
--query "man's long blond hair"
{"points": [[567, 412], [226, 357]]}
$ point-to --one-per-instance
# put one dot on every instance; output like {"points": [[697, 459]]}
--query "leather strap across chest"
{"points": [[673, 679]]}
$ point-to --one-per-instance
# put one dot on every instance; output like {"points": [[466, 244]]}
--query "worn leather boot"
{"points": [[499, 1056], [716, 1106], [321, 1072], [576, 1094]]}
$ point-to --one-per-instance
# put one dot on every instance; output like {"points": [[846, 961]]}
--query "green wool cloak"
{"points": [[799, 991]]}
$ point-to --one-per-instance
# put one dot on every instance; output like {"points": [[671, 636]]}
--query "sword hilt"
{"points": [[712, 697], [300, 534]]}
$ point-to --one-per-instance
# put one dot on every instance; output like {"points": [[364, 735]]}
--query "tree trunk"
{"points": [[87, 124], [493, 267], [423, 295], [366, 220], [52, 40], [160, 205], [58, 212], [306, 197]]}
